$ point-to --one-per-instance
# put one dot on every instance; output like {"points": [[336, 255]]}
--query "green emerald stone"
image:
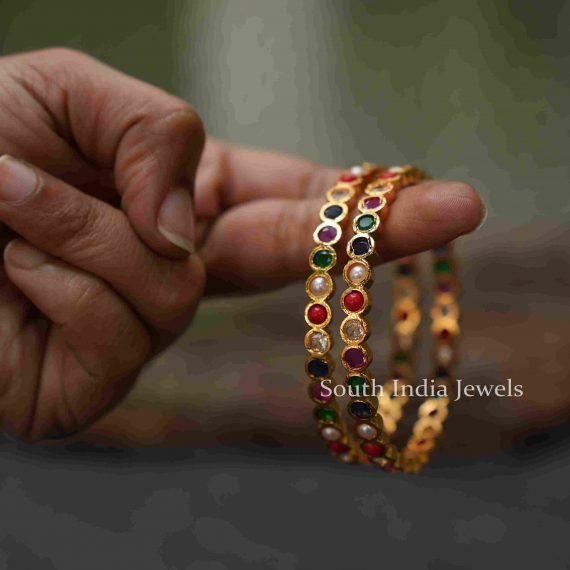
{"points": [[325, 414], [366, 223], [323, 259], [442, 266], [401, 357], [356, 385]]}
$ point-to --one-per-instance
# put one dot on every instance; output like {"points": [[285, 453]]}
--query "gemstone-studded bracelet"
{"points": [[377, 414], [318, 315]]}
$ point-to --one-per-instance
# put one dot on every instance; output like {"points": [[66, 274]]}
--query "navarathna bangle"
{"points": [[377, 415], [319, 287]]}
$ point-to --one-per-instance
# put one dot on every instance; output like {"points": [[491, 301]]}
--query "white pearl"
{"points": [[357, 170], [366, 431], [357, 272], [320, 286], [330, 433], [445, 354]]}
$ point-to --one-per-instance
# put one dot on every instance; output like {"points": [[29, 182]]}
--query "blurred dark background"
{"points": [[213, 461]]}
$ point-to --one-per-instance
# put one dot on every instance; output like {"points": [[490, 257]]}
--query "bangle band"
{"points": [[318, 314], [377, 415]]}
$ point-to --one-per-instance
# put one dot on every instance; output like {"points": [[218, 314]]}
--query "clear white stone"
{"points": [[353, 329], [319, 342], [319, 286], [357, 170], [331, 433], [366, 431], [346, 458], [357, 272], [340, 194]]}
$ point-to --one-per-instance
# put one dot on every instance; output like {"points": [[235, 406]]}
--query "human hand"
{"points": [[95, 290], [257, 211], [90, 291]]}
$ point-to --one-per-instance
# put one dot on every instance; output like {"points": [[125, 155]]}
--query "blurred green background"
{"points": [[473, 90], [213, 461]]}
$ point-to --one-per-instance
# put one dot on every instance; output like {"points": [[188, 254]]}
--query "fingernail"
{"points": [[483, 216], [21, 254], [17, 180], [176, 219]]}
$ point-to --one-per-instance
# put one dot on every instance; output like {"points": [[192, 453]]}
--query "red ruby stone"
{"points": [[354, 301], [371, 203], [445, 334], [404, 315], [337, 447], [373, 449], [354, 357], [347, 177], [321, 393], [385, 174], [317, 314]]}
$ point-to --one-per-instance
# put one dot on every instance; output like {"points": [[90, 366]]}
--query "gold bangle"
{"points": [[318, 314], [377, 415]]}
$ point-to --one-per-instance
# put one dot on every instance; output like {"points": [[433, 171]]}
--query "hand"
{"points": [[257, 211], [92, 291], [89, 292]]}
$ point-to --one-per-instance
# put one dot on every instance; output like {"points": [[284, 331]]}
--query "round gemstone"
{"points": [[340, 194], [318, 341], [442, 266], [372, 203], [331, 433], [404, 269], [366, 431], [441, 372], [444, 354], [337, 447], [325, 415], [361, 246], [318, 367], [401, 357], [444, 287], [373, 449], [354, 358], [366, 223], [353, 329], [361, 410], [353, 301], [357, 272], [322, 258], [333, 212], [445, 334], [320, 393], [356, 385], [320, 286], [327, 234], [357, 170], [317, 314], [385, 174], [348, 177]]}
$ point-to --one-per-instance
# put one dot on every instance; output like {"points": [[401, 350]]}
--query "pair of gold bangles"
{"points": [[376, 409]]}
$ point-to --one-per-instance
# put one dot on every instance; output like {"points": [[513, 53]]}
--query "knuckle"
{"points": [[183, 122], [174, 301], [73, 226]]}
